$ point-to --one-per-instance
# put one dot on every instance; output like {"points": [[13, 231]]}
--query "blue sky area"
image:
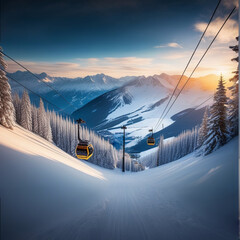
{"points": [[66, 31]]}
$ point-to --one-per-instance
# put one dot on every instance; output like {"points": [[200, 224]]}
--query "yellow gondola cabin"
{"points": [[84, 149]]}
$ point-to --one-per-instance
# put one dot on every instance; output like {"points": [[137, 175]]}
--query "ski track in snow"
{"points": [[47, 194]]}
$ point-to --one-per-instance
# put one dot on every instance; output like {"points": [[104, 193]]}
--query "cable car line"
{"points": [[84, 149], [196, 66], [175, 89], [206, 100], [192, 110], [197, 106], [60, 109], [53, 89]]}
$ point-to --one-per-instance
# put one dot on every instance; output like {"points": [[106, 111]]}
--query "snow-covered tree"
{"points": [[17, 106], [26, 112], [47, 130], [44, 128], [160, 151], [233, 102], [217, 122], [7, 113], [64, 132], [173, 149], [41, 119], [203, 130], [34, 119]]}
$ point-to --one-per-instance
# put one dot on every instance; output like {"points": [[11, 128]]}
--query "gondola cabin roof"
{"points": [[84, 143]]}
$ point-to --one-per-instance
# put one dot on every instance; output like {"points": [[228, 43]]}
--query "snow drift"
{"points": [[47, 194]]}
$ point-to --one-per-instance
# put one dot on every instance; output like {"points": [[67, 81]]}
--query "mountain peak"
{"points": [[43, 75], [101, 75], [163, 75]]}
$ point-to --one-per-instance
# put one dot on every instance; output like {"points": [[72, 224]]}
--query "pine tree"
{"points": [[196, 132], [217, 123], [233, 101], [17, 106], [44, 128], [58, 132], [41, 119], [7, 112], [47, 128], [26, 112], [35, 120], [173, 149], [64, 132], [160, 149], [203, 130]]}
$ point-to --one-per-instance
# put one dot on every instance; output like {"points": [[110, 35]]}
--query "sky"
{"points": [[117, 38]]}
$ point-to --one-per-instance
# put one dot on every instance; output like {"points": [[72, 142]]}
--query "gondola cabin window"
{"points": [[81, 151]]}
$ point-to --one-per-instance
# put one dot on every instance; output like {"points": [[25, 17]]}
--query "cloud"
{"points": [[231, 4], [82, 67], [172, 45], [217, 60], [175, 56], [52, 68], [128, 61], [93, 60], [228, 33]]}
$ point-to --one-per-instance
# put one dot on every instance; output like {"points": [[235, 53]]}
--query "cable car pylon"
{"points": [[123, 159], [84, 149]]}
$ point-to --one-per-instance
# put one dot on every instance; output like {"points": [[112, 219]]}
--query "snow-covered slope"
{"points": [[139, 104], [46, 194]]}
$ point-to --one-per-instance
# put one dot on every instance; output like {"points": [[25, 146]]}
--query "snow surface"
{"points": [[143, 98], [47, 194], [139, 104]]}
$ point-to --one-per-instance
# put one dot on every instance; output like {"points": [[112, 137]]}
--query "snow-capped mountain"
{"points": [[77, 91], [107, 103], [139, 104]]}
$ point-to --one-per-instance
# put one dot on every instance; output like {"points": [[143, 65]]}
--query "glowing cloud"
{"points": [[228, 33], [172, 45]]}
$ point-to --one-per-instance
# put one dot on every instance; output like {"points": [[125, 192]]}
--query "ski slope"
{"points": [[47, 194]]}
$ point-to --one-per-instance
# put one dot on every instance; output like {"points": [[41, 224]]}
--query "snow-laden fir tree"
{"points": [[26, 112], [217, 123], [17, 106], [160, 150], [34, 119], [203, 130], [173, 149], [65, 134], [41, 118], [48, 130], [234, 99], [7, 114], [44, 128]]}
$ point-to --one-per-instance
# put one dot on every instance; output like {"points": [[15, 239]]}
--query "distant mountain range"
{"points": [[77, 91]]}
